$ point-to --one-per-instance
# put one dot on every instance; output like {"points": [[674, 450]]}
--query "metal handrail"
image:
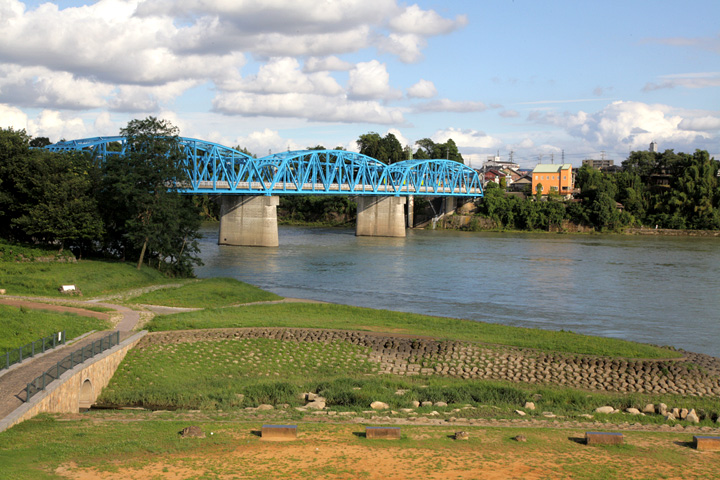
{"points": [[46, 343], [69, 362]]}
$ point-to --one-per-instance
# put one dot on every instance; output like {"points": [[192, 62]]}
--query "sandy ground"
{"points": [[427, 453]]}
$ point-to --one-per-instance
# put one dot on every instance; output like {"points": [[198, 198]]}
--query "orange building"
{"points": [[553, 177]]}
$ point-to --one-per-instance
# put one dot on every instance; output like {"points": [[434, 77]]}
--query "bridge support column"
{"points": [[411, 211], [449, 205], [380, 216], [248, 221]]}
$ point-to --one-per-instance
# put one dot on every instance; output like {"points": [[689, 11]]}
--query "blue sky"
{"points": [[538, 79]]}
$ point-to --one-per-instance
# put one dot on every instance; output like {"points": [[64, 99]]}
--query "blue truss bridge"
{"points": [[217, 169], [248, 188]]}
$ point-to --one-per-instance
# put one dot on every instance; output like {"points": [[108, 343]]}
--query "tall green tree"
{"points": [[63, 208], [145, 214]]}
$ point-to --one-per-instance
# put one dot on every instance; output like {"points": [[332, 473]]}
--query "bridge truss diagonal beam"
{"points": [[212, 168]]}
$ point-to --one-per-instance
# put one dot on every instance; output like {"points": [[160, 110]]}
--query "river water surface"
{"points": [[661, 290]]}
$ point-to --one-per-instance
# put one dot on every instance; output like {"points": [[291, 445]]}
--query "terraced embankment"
{"points": [[692, 375]]}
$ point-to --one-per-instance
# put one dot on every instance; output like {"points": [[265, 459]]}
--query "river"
{"points": [[660, 290]]}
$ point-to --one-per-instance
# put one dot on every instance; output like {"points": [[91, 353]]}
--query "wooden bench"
{"points": [[706, 443], [389, 433], [279, 432], [603, 438]]}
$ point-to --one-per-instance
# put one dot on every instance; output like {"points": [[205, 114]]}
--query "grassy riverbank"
{"points": [[20, 326], [91, 277], [208, 293], [309, 315]]}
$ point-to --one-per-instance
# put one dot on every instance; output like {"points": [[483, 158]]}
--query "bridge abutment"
{"points": [[248, 220], [380, 216]]}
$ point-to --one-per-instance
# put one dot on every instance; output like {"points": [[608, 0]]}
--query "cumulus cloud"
{"points": [[331, 63], [422, 89], [446, 105], [12, 117], [266, 141], [701, 124], [309, 106], [416, 21], [623, 125], [141, 55], [467, 138], [371, 80]]}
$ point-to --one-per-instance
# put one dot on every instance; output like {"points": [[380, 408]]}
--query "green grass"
{"points": [[20, 326], [35, 448], [93, 278], [212, 374], [14, 252], [208, 293], [232, 374], [307, 315]]}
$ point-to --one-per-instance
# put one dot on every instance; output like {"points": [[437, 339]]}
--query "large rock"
{"points": [[529, 406], [415, 403], [662, 409], [692, 417], [605, 409], [440, 404], [315, 405], [683, 413], [649, 408], [192, 432], [632, 411], [265, 406], [379, 406]]}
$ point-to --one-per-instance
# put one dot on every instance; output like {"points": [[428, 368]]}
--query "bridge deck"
{"points": [[283, 187]]}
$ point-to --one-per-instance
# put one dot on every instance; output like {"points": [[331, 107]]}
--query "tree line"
{"points": [[125, 207], [667, 190]]}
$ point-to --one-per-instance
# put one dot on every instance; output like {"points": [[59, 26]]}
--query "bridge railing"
{"points": [[69, 362], [31, 349]]}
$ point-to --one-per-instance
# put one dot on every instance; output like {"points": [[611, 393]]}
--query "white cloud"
{"points": [[12, 117], [309, 106], [283, 75], [331, 63], [422, 89], [446, 105], [407, 47], [400, 137], [509, 114], [687, 80], [623, 125], [56, 126], [466, 138], [261, 143], [416, 21], [702, 124], [370, 80]]}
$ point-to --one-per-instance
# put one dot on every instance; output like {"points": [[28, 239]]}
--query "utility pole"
{"points": [[563, 155], [512, 154], [552, 158]]}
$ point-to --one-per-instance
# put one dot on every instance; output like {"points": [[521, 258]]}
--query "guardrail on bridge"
{"points": [[38, 346], [68, 363]]}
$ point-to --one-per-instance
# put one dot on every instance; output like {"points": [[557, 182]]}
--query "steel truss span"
{"points": [[216, 169]]}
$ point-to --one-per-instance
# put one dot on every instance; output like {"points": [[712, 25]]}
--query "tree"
{"points": [[387, 149], [145, 214], [39, 142], [431, 150], [63, 208]]}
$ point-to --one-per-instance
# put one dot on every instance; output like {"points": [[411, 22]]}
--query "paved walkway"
{"points": [[14, 381]]}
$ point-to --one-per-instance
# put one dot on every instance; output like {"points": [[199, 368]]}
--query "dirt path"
{"points": [[19, 302]]}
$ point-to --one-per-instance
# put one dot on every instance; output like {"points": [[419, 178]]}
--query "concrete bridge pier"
{"points": [[248, 221], [380, 216], [449, 205], [411, 211]]}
